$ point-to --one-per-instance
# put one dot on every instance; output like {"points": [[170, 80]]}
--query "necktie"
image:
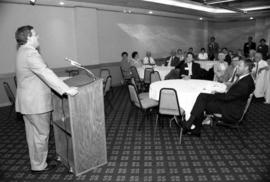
{"points": [[233, 83], [233, 76]]}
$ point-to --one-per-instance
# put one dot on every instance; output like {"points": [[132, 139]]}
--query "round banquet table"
{"points": [[163, 70], [187, 90]]}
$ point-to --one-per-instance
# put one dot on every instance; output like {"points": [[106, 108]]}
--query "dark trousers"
{"points": [[204, 102]]}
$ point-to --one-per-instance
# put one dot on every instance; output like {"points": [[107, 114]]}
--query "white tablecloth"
{"points": [[206, 64], [163, 70], [187, 90]]}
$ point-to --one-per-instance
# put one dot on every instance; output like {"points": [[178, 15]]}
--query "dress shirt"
{"points": [[202, 56], [189, 68], [148, 60], [170, 61], [135, 62]]}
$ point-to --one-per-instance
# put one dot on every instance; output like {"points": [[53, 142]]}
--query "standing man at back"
{"points": [[213, 49], [248, 46], [33, 97]]}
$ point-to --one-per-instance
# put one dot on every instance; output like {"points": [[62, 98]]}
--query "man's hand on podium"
{"points": [[72, 91]]}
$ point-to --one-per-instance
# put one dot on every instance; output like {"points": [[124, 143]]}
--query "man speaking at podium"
{"points": [[33, 97]]}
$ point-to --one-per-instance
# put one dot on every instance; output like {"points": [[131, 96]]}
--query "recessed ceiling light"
{"points": [[189, 5], [201, 18], [32, 2], [150, 12], [61, 3], [251, 18]]}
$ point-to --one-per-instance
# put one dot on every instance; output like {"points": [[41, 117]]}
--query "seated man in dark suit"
{"points": [[190, 69], [172, 60], [230, 104]]}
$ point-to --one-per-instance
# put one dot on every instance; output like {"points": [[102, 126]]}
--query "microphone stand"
{"points": [[74, 63]]}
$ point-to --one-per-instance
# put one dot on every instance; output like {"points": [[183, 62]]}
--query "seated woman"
{"points": [[220, 68], [135, 60], [230, 74], [203, 55], [125, 65], [180, 54], [148, 60]]}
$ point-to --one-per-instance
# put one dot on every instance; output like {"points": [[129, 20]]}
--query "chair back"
{"points": [[154, 77], [9, 93], [246, 107], [104, 73], [125, 74], [107, 84], [147, 75], [15, 80], [135, 73], [168, 102], [132, 81], [133, 95]]}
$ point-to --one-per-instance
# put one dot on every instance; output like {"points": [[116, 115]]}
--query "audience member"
{"points": [[240, 53], [230, 104], [220, 68], [248, 46], [228, 58], [231, 53], [172, 60], [203, 55], [148, 60], [263, 48], [180, 54], [213, 49], [125, 65], [190, 69], [258, 75], [135, 59], [230, 73], [191, 50], [252, 53]]}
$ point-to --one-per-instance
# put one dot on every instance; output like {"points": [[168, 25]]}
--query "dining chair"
{"points": [[155, 76], [217, 119], [141, 95], [11, 98], [137, 79], [104, 73], [169, 105], [145, 105], [147, 77], [124, 76]]}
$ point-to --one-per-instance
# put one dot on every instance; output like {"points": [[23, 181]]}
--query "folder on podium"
{"points": [[79, 126]]}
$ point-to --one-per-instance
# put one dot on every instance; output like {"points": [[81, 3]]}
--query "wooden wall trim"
{"points": [[97, 66]]}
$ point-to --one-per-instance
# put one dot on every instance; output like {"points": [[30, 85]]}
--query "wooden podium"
{"points": [[79, 126]]}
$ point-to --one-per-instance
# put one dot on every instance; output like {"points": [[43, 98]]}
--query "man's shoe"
{"points": [[47, 169], [196, 132], [186, 124]]}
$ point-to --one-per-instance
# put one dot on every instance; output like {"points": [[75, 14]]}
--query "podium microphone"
{"points": [[78, 65]]}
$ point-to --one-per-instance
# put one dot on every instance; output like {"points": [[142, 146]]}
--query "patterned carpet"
{"points": [[141, 156]]}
